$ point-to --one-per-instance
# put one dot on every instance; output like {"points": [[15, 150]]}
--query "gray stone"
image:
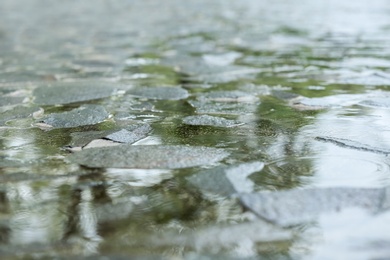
{"points": [[18, 112], [71, 92], [226, 181], [207, 120], [351, 144], [84, 115], [299, 206], [148, 156], [130, 136], [383, 102], [161, 93], [222, 108]]}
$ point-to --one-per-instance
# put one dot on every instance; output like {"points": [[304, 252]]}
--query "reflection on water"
{"points": [[364, 165], [308, 83]]}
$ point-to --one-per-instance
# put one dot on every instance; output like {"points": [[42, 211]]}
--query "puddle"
{"points": [[203, 130]]}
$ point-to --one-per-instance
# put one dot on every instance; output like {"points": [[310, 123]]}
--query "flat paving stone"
{"points": [[84, 115], [160, 93], [71, 92], [148, 156]]}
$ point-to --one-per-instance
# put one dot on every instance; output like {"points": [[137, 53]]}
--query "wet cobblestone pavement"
{"points": [[194, 129]]}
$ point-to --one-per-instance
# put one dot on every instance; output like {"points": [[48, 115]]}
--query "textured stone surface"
{"points": [[210, 121], [148, 157], [163, 93], [85, 115], [299, 206], [71, 92], [17, 113], [226, 180]]}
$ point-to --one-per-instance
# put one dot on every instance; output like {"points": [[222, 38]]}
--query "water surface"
{"points": [[271, 118]]}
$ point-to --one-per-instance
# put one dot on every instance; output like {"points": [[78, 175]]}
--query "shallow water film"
{"points": [[194, 129]]}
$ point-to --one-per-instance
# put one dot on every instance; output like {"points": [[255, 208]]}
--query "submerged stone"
{"points": [[129, 134], [223, 108], [226, 181], [195, 86], [148, 156], [93, 65], [95, 143], [305, 103], [228, 96], [262, 90], [71, 92], [161, 93], [223, 59], [84, 115], [10, 100], [380, 102], [225, 102], [223, 237], [201, 70], [80, 139], [342, 142], [18, 112], [367, 79], [206, 120], [353, 233], [6, 162], [222, 74], [298, 206], [232, 73]]}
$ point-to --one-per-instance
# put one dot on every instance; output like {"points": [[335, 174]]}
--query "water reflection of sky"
{"points": [[342, 166]]}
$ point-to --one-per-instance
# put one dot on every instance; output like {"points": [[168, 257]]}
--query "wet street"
{"points": [[194, 129]]}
